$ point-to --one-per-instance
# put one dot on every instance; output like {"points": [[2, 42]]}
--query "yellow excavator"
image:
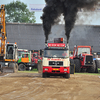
{"points": [[8, 51]]}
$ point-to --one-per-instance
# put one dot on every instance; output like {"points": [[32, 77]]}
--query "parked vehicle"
{"points": [[20, 51], [83, 59], [8, 51], [36, 56], [97, 59], [24, 62]]}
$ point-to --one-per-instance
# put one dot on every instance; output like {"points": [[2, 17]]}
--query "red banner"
{"points": [[56, 44]]}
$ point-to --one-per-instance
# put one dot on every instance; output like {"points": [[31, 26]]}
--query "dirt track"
{"points": [[30, 86]]}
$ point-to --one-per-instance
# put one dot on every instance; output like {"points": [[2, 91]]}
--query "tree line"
{"points": [[18, 12]]}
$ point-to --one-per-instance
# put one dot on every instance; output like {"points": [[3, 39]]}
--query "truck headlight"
{"points": [[65, 69], [46, 69], [6, 64]]}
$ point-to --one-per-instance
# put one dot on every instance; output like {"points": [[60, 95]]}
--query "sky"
{"points": [[83, 18], [28, 2]]}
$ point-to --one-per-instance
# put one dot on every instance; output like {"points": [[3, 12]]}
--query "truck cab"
{"points": [[56, 60], [24, 62], [36, 57]]}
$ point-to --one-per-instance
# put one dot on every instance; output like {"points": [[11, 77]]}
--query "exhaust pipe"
{"points": [[45, 43]]}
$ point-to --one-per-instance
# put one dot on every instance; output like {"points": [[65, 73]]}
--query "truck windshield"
{"points": [[56, 53], [83, 50], [24, 55], [20, 53]]}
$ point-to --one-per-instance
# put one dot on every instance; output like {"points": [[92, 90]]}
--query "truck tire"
{"points": [[14, 67], [97, 66], [77, 65], [21, 67], [96, 69], [97, 63], [83, 69], [91, 69], [44, 75], [67, 76], [71, 62], [72, 66], [39, 67]]}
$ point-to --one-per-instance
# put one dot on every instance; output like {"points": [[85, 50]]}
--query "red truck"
{"points": [[83, 59], [36, 57]]}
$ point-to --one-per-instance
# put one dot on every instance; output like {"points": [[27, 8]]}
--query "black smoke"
{"points": [[69, 8]]}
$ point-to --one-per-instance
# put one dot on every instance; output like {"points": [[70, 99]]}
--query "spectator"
{"points": [[64, 54]]}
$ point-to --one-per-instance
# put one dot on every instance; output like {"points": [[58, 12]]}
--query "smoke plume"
{"points": [[69, 8]]}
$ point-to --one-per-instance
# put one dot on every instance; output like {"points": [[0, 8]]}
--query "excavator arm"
{"points": [[2, 32]]}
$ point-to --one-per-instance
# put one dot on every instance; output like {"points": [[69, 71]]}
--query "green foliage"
{"points": [[18, 12]]}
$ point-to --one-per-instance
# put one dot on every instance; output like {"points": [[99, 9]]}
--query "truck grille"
{"points": [[55, 63], [89, 60]]}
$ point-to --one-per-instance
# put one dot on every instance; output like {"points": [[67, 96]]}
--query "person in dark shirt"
{"points": [[10, 53]]}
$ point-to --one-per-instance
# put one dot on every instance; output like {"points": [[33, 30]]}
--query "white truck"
{"points": [[56, 59]]}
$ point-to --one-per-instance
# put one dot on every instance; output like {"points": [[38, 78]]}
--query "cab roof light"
{"points": [[58, 40], [61, 39]]}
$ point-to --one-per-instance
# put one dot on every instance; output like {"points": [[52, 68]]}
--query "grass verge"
{"points": [[32, 71], [36, 71], [88, 73]]}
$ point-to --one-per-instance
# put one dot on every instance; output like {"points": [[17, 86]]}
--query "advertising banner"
{"points": [[36, 7]]}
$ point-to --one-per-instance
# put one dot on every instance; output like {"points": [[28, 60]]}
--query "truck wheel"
{"points": [[97, 63], [21, 67], [44, 75], [83, 69], [72, 66], [91, 69], [16, 68], [77, 65], [97, 66], [71, 62], [48, 75], [96, 69], [0, 67], [67, 75], [39, 67]]}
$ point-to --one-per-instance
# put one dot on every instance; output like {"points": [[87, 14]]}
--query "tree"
{"points": [[18, 12]]}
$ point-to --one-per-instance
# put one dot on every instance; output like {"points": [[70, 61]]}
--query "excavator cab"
{"points": [[10, 65], [11, 51]]}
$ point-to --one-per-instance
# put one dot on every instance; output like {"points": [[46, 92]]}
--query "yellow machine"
{"points": [[8, 51]]}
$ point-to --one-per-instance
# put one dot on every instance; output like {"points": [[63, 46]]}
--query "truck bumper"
{"points": [[30, 64], [56, 70]]}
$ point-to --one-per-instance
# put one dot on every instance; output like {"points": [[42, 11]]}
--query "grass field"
{"points": [[89, 73], [32, 71], [36, 71]]}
